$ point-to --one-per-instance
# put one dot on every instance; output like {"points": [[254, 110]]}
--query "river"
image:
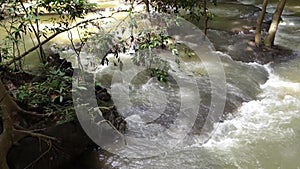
{"points": [[263, 132]]}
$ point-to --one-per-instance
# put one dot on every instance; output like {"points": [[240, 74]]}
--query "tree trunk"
{"points": [[9, 110], [8, 113], [259, 23], [7, 101], [36, 31], [269, 41], [147, 4], [6, 140]]}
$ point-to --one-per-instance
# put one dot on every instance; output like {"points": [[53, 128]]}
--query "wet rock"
{"points": [[241, 47], [247, 51], [101, 94], [109, 111], [54, 60]]}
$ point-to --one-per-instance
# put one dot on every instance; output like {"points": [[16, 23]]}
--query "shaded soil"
{"points": [[34, 153]]}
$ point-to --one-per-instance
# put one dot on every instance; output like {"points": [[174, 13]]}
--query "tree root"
{"points": [[12, 132], [30, 133], [25, 112], [41, 156], [18, 127], [20, 134]]}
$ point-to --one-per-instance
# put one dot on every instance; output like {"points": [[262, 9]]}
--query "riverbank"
{"points": [[72, 141]]}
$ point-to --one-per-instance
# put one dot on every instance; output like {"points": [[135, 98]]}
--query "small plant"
{"points": [[161, 75], [53, 95]]}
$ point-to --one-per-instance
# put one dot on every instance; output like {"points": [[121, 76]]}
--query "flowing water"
{"points": [[263, 132], [262, 126]]}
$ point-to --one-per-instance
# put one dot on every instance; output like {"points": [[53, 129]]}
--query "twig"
{"points": [[70, 36]]}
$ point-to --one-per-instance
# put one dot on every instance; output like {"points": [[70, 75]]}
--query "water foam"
{"points": [[262, 119]]}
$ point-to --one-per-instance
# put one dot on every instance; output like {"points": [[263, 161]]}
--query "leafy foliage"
{"points": [[143, 45], [161, 75], [52, 94]]}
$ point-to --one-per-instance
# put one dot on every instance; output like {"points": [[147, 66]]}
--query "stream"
{"points": [[262, 131]]}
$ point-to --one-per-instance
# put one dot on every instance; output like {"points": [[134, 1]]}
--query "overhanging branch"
{"points": [[8, 63]]}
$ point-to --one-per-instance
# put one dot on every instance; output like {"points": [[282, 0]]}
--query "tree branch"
{"points": [[8, 63]]}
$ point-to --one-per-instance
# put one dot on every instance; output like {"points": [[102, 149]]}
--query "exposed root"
{"points": [[30, 133], [18, 127], [41, 156], [19, 134], [22, 111], [12, 132], [12, 106]]}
